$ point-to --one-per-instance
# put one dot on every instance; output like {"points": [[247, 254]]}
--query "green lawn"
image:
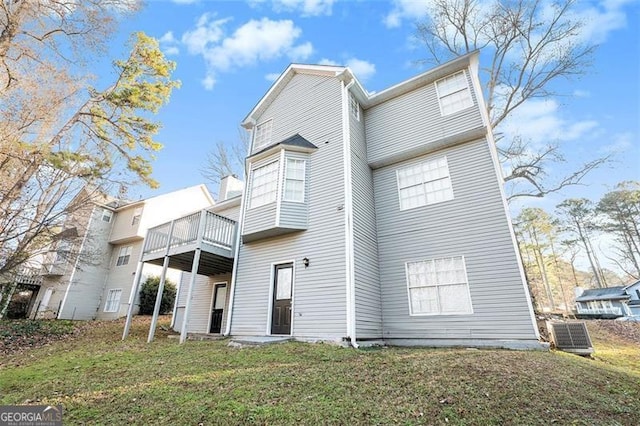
{"points": [[101, 380]]}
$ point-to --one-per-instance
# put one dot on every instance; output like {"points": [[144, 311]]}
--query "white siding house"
{"points": [[365, 218], [97, 283]]}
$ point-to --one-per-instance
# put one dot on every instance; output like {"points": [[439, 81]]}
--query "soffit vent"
{"points": [[571, 337]]}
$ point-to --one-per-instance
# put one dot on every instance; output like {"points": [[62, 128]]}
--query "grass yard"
{"points": [[101, 380]]}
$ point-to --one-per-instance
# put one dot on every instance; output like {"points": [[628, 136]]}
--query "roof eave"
{"points": [[423, 79]]}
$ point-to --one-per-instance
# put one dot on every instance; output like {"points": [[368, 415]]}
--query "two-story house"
{"points": [[106, 237], [365, 218]]}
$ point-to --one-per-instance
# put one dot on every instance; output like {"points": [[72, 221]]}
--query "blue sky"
{"points": [[228, 54]]}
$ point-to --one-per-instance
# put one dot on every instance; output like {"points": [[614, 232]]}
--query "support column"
{"points": [[194, 273], [156, 308], [132, 298], [187, 308]]}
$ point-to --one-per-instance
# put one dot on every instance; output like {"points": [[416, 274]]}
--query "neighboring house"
{"points": [[366, 218], [608, 302], [96, 281]]}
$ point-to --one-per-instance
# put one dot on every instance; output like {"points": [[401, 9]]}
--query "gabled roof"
{"points": [[607, 293], [346, 74], [627, 287], [295, 141]]}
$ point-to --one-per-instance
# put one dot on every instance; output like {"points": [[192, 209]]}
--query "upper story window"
{"points": [[453, 93], [294, 180], [136, 216], [438, 287], [124, 255], [354, 106], [262, 135], [424, 183], [264, 185], [107, 215]]}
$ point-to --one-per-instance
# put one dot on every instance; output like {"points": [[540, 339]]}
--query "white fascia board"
{"points": [[421, 79]]}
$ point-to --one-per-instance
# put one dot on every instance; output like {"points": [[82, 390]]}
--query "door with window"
{"points": [[217, 309], [283, 286]]}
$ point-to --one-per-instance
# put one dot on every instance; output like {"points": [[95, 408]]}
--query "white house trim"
{"points": [[348, 215]]}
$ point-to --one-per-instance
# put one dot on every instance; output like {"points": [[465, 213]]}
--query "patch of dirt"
{"points": [[629, 331], [20, 336]]}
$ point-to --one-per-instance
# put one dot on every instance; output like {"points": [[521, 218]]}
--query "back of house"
{"points": [[370, 217]]}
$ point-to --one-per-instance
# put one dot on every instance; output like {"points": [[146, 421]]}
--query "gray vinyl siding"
{"points": [[310, 106], [201, 302], [232, 212], [393, 126], [295, 214], [474, 225], [121, 277], [84, 291], [367, 280], [259, 218]]}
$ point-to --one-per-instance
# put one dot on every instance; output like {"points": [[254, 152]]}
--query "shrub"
{"points": [[148, 296]]}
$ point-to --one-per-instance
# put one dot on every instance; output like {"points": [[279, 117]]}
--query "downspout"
{"points": [[236, 255], [348, 216]]}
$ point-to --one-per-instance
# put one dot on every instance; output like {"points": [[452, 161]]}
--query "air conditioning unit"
{"points": [[571, 337]]}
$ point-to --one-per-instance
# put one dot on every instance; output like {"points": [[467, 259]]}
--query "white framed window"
{"points": [[264, 185], [453, 93], [137, 213], [354, 106], [113, 300], [262, 134], [438, 287], [294, 180], [425, 183], [107, 215], [124, 255]]}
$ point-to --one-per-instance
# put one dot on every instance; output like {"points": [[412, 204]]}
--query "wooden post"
{"points": [[192, 281], [156, 308], [132, 297]]}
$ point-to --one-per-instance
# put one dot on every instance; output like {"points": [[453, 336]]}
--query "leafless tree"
{"points": [[226, 159], [531, 44]]}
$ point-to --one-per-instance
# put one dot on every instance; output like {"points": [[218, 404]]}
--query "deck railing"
{"points": [[600, 311], [217, 230]]}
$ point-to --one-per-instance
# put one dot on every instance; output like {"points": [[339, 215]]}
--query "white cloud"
{"points": [[578, 93], [272, 76], [325, 61], [361, 68], [620, 143], [169, 44], [208, 31], [168, 38], [405, 9], [252, 42], [541, 122], [306, 8], [601, 19], [171, 51]]}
